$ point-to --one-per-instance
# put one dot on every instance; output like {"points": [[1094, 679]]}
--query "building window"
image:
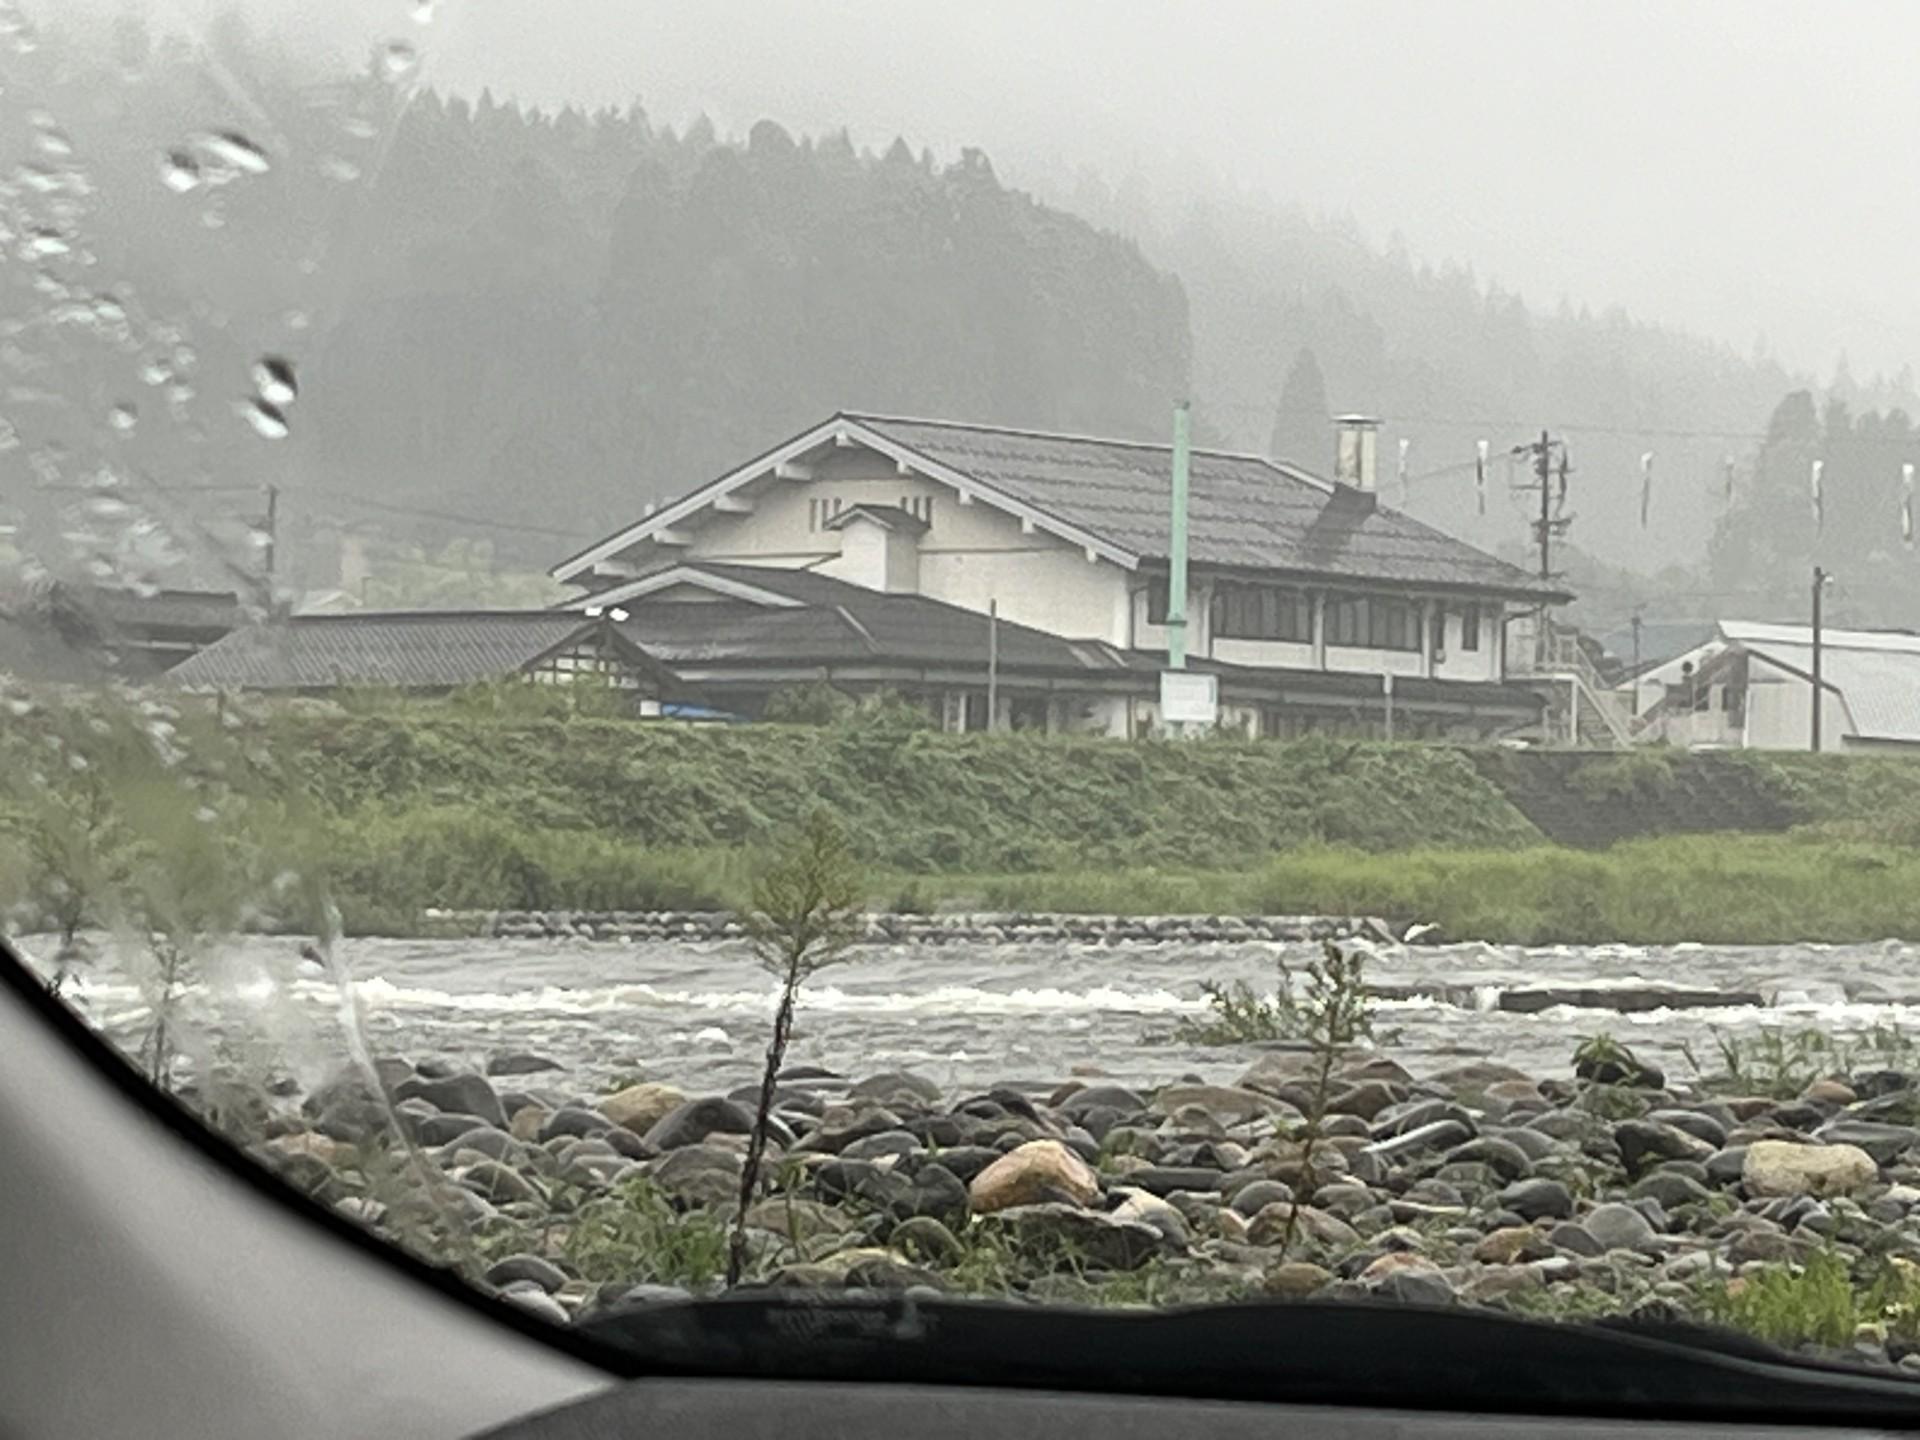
{"points": [[974, 717], [1157, 593], [1470, 627], [813, 515], [1373, 621], [1393, 625], [1440, 632], [1262, 612], [1346, 620]]}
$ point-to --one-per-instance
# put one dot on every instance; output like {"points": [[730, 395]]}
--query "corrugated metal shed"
{"points": [[1876, 672], [1244, 511]]}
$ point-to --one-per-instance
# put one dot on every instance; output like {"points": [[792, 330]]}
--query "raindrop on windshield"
{"points": [[423, 12], [336, 168], [273, 378], [49, 138], [232, 148], [42, 241], [124, 416], [399, 60], [266, 418], [179, 171]]}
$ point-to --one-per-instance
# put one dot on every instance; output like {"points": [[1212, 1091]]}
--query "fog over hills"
{"points": [[565, 259]]}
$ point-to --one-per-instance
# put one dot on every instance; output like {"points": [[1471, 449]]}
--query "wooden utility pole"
{"points": [[1820, 578], [1543, 467]]}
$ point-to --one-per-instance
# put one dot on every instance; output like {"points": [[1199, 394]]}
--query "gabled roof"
{"points": [[1111, 497], [887, 517], [410, 649], [821, 619], [1244, 511]]}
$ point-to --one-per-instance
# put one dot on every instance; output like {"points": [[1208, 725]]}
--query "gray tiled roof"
{"points": [[839, 621], [1244, 511], [423, 649]]}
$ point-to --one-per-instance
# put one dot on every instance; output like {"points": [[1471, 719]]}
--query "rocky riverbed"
{"points": [[1616, 1191]]}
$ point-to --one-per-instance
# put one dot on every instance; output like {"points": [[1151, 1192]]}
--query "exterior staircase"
{"points": [[1582, 710]]}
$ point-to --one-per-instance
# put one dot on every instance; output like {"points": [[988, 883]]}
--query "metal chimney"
{"points": [[1354, 459]]}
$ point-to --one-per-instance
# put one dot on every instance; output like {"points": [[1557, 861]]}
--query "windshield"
{"points": [[1096, 659]]}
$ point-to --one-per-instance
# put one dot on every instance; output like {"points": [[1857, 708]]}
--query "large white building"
{"points": [[1750, 686], [1305, 594]]}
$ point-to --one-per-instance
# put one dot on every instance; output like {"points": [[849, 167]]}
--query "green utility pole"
{"points": [[1177, 544]]}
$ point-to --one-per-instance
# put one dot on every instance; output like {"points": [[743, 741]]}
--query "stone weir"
{"points": [[989, 928]]}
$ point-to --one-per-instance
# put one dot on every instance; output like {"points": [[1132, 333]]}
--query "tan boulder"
{"points": [[1296, 1279], [1032, 1174], [527, 1122], [1787, 1167], [640, 1107], [1508, 1244], [1397, 1262], [1829, 1092]]}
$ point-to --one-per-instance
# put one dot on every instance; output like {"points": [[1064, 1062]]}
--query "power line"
{"points": [[1649, 432]]}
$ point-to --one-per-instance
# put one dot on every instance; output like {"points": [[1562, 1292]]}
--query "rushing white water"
{"points": [[973, 1015]]}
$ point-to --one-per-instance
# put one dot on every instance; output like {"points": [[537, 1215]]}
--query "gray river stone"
{"points": [[1618, 1227], [455, 1094], [694, 1121], [1538, 1199]]}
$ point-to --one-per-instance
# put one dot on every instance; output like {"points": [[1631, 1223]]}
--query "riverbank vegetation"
{"points": [[501, 799]]}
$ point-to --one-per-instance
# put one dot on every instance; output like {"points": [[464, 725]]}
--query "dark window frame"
{"points": [[1374, 622], [1253, 611]]}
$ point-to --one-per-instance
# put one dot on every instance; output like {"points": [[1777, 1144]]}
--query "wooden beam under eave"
{"points": [[671, 537], [792, 470], [733, 505]]}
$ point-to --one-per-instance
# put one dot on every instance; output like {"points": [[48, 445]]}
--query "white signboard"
{"points": [[1189, 699]]}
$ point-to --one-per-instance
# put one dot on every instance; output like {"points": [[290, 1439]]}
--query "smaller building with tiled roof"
{"points": [[423, 651]]}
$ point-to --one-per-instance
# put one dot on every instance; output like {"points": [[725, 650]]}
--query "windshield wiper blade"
{"points": [[1305, 1352]]}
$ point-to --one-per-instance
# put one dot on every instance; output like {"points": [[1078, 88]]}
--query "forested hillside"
{"points": [[677, 299]]}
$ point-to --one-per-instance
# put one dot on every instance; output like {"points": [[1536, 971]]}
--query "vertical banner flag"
{"points": [[1819, 501], [1646, 486], [1560, 500], [1906, 504], [1405, 497], [1480, 476]]}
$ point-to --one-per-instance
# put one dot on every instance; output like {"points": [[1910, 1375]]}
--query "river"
{"points": [[972, 1015]]}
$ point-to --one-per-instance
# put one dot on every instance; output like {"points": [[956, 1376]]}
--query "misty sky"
{"points": [[1734, 168]]}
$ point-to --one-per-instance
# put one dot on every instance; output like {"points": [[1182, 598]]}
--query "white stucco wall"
{"points": [[1780, 712], [1462, 664], [968, 556]]}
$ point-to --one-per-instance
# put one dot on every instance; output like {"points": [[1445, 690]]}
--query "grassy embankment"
{"points": [[479, 804]]}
